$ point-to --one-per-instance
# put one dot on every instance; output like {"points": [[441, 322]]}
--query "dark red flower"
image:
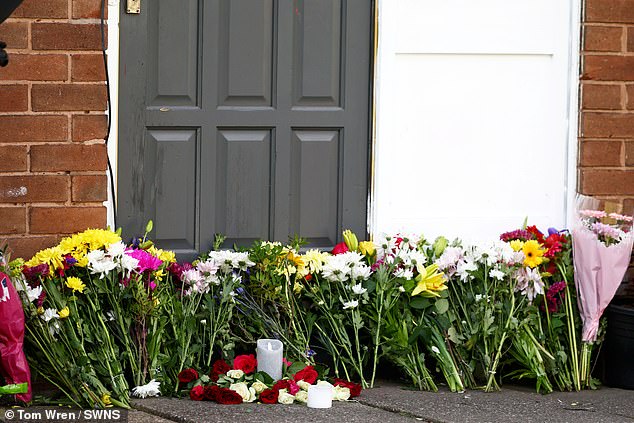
{"points": [[281, 384], [211, 392], [220, 367], [340, 249], [247, 363], [197, 393], [269, 396], [536, 233], [227, 396], [187, 375], [307, 374], [355, 389]]}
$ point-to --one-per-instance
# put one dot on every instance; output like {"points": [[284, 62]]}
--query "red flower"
{"points": [[211, 392], [247, 363], [281, 384], [536, 232], [187, 375], [227, 396], [269, 396], [355, 389], [340, 249], [307, 374], [220, 367], [293, 388], [197, 393]]}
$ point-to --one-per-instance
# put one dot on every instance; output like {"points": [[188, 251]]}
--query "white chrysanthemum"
{"points": [[449, 259], [33, 293], [404, 273], [116, 249], [152, 389], [209, 267], [385, 247], [335, 270], [529, 282], [349, 305], [351, 258], [359, 289], [496, 274], [314, 260], [191, 276], [360, 272], [54, 328], [128, 264], [100, 263], [463, 268]]}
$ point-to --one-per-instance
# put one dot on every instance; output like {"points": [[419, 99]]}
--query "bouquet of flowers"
{"points": [[242, 383], [602, 249]]}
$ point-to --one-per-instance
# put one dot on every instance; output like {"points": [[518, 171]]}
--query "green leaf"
{"points": [[442, 305], [420, 303], [149, 226], [264, 378]]}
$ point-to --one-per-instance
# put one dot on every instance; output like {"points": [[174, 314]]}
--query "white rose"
{"points": [[285, 398], [247, 394], [324, 383], [341, 393], [302, 396], [258, 386], [303, 385], [235, 374]]}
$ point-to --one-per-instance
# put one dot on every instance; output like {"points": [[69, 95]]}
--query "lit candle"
{"points": [[320, 396], [270, 355]]}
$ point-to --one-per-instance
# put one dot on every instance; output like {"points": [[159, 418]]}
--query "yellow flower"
{"points": [[165, 256], [40, 310], [516, 244], [532, 253], [75, 284], [159, 274], [429, 282], [53, 257], [351, 240], [63, 313], [367, 248], [107, 401]]}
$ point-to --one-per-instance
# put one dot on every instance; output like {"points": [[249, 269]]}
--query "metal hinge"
{"points": [[134, 6]]}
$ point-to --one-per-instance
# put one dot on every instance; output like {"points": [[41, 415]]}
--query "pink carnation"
{"points": [[146, 260]]}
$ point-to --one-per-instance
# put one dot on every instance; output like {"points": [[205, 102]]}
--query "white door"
{"points": [[473, 126]]}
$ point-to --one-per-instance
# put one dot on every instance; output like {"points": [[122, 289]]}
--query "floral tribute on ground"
{"points": [[106, 320]]}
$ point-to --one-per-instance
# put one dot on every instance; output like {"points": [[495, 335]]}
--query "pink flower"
{"points": [[596, 214], [286, 362], [146, 260]]}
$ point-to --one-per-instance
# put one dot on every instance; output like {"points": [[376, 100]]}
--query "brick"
{"points": [[26, 247], [88, 9], [629, 153], [608, 125], [630, 38], [12, 220], [15, 34], [86, 188], [65, 36], [33, 188], [51, 9], [87, 67], [610, 11], [64, 220], [607, 182], [14, 98], [89, 127], [599, 96], [36, 67], [13, 158], [608, 68], [628, 206], [33, 128], [68, 97], [68, 157], [602, 38], [600, 153], [630, 96]]}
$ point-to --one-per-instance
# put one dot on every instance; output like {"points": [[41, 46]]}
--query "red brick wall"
{"points": [[52, 124], [606, 137]]}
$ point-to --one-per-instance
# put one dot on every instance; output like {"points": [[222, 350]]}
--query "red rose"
{"points": [[227, 396], [355, 389], [307, 374], [269, 396], [211, 392], [197, 393], [187, 375], [220, 367], [280, 384], [247, 363], [340, 249]]}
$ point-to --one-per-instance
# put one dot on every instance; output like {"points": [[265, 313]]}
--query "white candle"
{"points": [[319, 396], [270, 355]]}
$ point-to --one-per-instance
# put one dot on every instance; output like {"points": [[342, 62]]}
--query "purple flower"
{"points": [[520, 234], [552, 231], [146, 260], [33, 273]]}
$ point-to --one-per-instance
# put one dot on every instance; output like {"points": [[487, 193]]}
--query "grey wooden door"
{"points": [[248, 118]]}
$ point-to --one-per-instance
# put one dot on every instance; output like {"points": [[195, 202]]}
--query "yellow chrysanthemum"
{"points": [[516, 244], [63, 313], [164, 256], [107, 401], [75, 284], [533, 253], [51, 256], [429, 281], [315, 260]]}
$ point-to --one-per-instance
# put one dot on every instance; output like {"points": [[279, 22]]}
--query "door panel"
{"points": [[247, 118]]}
